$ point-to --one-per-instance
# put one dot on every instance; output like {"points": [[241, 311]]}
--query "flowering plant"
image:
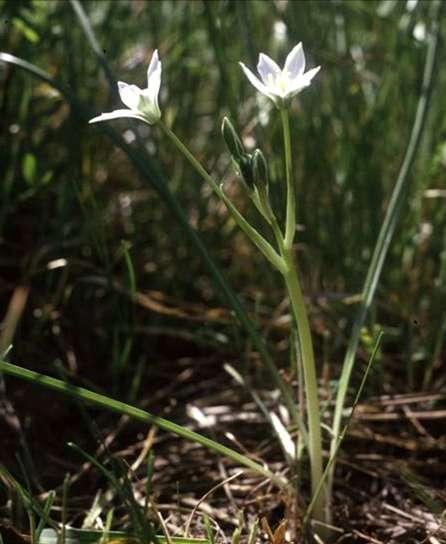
{"points": [[280, 86]]}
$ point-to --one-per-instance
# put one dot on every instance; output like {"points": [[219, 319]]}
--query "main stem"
{"points": [[311, 392], [304, 335]]}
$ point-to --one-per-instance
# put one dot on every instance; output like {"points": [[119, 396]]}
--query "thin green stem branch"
{"points": [[258, 240], [320, 505], [263, 245]]}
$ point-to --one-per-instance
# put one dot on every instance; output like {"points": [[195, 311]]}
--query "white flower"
{"points": [[142, 103], [281, 85]]}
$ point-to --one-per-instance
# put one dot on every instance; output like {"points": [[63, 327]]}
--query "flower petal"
{"points": [[254, 80], [154, 65], [130, 95], [117, 114], [295, 62], [148, 107], [308, 76], [267, 69], [153, 83], [303, 81]]}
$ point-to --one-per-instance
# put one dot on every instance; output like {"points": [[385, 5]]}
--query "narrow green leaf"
{"points": [[83, 536], [390, 222], [45, 514], [141, 415], [208, 529]]}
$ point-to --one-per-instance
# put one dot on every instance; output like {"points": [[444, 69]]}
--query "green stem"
{"points": [[277, 234], [263, 245], [136, 413], [340, 438], [290, 225], [311, 392], [320, 504]]}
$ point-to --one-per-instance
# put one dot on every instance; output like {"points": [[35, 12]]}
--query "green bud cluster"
{"points": [[252, 167]]}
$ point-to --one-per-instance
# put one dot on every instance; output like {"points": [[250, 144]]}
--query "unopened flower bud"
{"points": [[245, 167], [259, 169], [232, 140]]}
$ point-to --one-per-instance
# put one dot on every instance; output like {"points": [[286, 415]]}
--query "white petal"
{"points": [[255, 81], [148, 107], [267, 69], [154, 83], [303, 81], [130, 94], [295, 62], [308, 76], [153, 66], [150, 95], [117, 114]]}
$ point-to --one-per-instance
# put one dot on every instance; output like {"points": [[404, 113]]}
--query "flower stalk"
{"points": [[283, 261], [320, 501], [290, 228], [281, 85], [265, 247]]}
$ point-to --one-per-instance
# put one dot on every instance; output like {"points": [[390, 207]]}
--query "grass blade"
{"points": [[388, 227], [113, 405], [141, 524], [83, 536]]}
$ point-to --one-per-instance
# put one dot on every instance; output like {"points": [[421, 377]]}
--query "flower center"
{"points": [[280, 81]]}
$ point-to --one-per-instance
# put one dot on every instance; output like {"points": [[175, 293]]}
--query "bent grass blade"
{"points": [[114, 405], [84, 536]]}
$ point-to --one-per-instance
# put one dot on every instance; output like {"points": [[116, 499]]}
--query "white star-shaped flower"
{"points": [[142, 104], [281, 85]]}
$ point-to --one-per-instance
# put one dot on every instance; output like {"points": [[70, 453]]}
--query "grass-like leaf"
{"points": [[114, 405], [390, 222], [83, 536]]}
